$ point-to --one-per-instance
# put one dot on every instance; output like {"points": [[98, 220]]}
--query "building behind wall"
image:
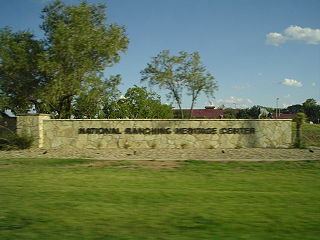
{"points": [[207, 113], [284, 116]]}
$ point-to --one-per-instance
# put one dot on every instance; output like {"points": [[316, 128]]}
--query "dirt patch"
{"points": [[158, 164], [7, 165], [134, 164], [91, 164]]}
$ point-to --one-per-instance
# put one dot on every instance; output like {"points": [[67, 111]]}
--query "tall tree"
{"points": [[196, 78], [311, 109], [293, 109], [65, 69], [20, 75], [79, 46], [177, 73], [164, 72]]}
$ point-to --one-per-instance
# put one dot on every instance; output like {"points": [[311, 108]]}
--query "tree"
{"points": [[229, 113], [178, 73], [20, 74], [138, 103], [254, 112], [3, 104], [79, 47], [293, 109], [65, 67], [195, 77], [164, 72], [243, 114], [90, 102], [311, 109]]}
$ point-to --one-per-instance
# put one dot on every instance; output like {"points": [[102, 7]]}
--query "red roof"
{"points": [[284, 116], [209, 113]]}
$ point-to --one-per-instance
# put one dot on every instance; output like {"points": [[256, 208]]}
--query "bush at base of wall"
{"points": [[13, 142]]}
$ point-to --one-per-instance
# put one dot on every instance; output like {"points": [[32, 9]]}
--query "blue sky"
{"points": [[258, 50]]}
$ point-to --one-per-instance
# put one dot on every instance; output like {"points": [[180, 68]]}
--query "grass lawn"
{"points": [[62, 199]]}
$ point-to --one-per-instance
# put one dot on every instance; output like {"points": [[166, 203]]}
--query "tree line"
{"points": [[310, 108], [63, 73]]}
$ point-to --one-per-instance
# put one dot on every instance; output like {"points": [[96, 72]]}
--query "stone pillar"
{"points": [[32, 124]]}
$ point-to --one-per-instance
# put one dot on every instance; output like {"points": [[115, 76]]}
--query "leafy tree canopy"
{"points": [[138, 103], [293, 109], [90, 102], [20, 74], [66, 66], [312, 110], [176, 74]]}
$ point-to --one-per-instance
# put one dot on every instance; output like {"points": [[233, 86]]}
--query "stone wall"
{"points": [[32, 124], [194, 133]]}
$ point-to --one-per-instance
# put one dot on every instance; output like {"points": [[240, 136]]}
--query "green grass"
{"points": [[60, 199], [310, 134]]}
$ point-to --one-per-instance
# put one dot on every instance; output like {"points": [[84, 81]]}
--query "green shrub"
{"points": [[299, 120], [13, 141]]}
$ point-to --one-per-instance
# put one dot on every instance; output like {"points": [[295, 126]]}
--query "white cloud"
{"points": [[232, 101], [309, 35], [275, 39], [259, 74], [313, 84], [291, 82]]}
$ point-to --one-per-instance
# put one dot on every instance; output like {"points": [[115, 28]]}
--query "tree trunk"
{"points": [[68, 108], [59, 110], [191, 108], [181, 111]]}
